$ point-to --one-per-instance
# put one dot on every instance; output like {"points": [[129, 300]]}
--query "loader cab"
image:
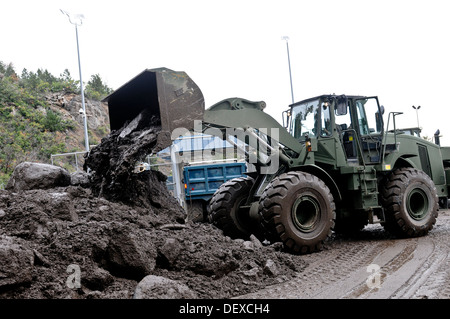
{"points": [[355, 121], [362, 140], [311, 119]]}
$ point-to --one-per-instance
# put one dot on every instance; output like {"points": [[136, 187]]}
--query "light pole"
{"points": [[289, 64], [417, 114], [77, 20]]}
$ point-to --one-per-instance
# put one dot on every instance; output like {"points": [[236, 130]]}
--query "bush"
{"points": [[96, 89]]}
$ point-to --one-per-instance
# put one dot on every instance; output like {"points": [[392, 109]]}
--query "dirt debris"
{"points": [[101, 241]]}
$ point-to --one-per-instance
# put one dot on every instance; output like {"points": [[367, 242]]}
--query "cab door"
{"points": [[346, 131], [369, 128]]}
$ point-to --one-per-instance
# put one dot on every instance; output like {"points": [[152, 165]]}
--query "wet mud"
{"points": [[100, 240]]}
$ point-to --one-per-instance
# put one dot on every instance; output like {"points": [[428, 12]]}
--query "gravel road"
{"points": [[374, 265]]}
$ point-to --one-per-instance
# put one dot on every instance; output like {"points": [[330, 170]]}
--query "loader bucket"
{"points": [[170, 95]]}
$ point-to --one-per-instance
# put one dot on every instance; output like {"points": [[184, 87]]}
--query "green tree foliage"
{"points": [[8, 70], [29, 129], [96, 89], [44, 81], [54, 123]]}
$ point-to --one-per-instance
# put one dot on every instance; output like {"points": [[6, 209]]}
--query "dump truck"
{"points": [[335, 164], [202, 181]]}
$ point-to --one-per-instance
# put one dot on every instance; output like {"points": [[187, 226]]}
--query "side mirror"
{"points": [[286, 117], [382, 109]]}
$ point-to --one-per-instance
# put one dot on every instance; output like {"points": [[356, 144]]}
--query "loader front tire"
{"points": [[224, 208], [298, 209], [411, 203]]}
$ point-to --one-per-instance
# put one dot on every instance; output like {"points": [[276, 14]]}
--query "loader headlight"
{"points": [[308, 146]]}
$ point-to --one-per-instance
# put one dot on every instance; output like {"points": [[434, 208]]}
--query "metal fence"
{"points": [[75, 154]]}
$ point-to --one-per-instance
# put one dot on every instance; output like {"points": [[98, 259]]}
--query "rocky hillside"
{"points": [[39, 116], [68, 106]]}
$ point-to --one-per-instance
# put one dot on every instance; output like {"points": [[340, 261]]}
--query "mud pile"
{"points": [[112, 163], [123, 236]]}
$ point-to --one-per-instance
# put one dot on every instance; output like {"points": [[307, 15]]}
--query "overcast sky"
{"points": [[398, 50]]}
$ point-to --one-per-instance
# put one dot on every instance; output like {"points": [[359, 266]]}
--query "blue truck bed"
{"points": [[201, 181]]}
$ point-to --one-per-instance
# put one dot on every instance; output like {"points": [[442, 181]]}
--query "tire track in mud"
{"points": [[326, 269], [422, 272], [407, 268], [432, 280], [391, 262]]}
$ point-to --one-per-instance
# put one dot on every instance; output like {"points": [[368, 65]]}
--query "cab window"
{"points": [[326, 120], [369, 120]]}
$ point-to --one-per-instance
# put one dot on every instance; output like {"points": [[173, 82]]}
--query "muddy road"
{"points": [[374, 265]]}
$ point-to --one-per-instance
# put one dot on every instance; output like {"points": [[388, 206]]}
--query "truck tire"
{"points": [[410, 200], [224, 208], [298, 209], [196, 210]]}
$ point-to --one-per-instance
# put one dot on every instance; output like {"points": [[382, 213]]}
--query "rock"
{"points": [[252, 244], [16, 263], [252, 272], [157, 287], [97, 279], [60, 206], [40, 260], [79, 179], [271, 268], [170, 250], [248, 245], [256, 242], [138, 123], [28, 175], [129, 254]]}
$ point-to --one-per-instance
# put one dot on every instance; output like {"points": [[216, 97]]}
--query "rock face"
{"points": [[69, 105], [28, 175]]}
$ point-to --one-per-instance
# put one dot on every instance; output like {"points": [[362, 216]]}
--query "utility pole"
{"points": [[77, 20], [286, 38]]}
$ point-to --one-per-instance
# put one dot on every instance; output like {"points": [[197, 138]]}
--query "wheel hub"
{"points": [[305, 213], [417, 204]]}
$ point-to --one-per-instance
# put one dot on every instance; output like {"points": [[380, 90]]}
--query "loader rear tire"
{"points": [[298, 209], [411, 203], [224, 207]]}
